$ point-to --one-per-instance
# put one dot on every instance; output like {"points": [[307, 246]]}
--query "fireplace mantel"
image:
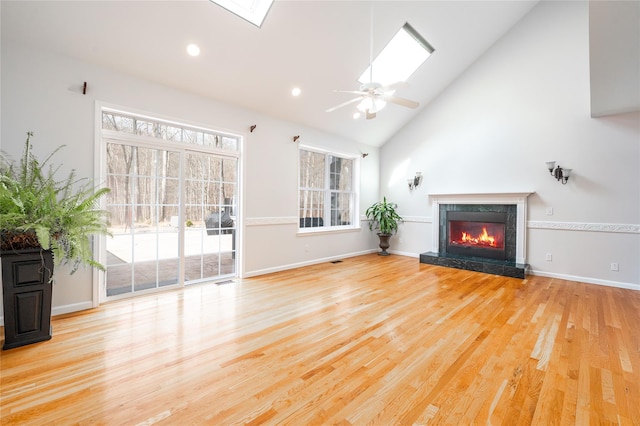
{"points": [[481, 197], [516, 198]]}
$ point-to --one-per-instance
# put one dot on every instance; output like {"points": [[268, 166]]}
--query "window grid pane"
{"points": [[326, 190], [311, 208], [340, 209], [154, 128]]}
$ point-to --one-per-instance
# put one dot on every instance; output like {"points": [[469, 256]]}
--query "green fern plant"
{"points": [[38, 211], [383, 217]]}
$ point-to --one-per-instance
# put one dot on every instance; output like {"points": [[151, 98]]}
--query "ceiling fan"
{"points": [[373, 96]]}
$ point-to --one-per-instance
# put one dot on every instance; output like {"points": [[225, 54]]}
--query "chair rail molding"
{"points": [[264, 221], [620, 228]]}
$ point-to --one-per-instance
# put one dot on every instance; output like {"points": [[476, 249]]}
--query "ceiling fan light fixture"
{"points": [[371, 104]]}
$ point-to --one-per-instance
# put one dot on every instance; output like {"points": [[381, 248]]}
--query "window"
{"points": [[253, 11], [406, 51], [327, 194], [143, 126]]}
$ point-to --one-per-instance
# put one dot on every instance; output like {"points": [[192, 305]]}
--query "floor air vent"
{"points": [[225, 282], [336, 261]]}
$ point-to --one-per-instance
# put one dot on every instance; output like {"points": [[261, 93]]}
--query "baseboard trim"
{"points": [[281, 268], [404, 253], [75, 307], [608, 283]]}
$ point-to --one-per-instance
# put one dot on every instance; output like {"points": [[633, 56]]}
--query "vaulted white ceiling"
{"points": [[318, 46]]}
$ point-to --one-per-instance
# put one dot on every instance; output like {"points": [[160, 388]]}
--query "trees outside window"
{"points": [[326, 190]]}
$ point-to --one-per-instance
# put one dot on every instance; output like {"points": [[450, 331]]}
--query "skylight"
{"points": [[400, 58], [253, 11]]}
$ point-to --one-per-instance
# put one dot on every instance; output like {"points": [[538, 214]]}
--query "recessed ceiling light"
{"points": [[296, 91], [356, 115], [193, 49]]}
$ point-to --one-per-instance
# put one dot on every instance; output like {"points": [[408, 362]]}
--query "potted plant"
{"points": [[383, 217], [44, 223]]}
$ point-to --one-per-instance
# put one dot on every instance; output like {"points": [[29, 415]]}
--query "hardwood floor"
{"points": [[370, 340]]}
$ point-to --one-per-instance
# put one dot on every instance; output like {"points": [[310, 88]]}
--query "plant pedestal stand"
{"points": [[384, 244], [27, 292]]}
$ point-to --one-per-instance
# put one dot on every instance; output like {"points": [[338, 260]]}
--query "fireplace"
{"points": [[499, 221], [479, 232], [476, 234]]}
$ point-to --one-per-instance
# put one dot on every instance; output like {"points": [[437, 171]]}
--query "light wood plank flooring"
{"points": [[370, 340]]}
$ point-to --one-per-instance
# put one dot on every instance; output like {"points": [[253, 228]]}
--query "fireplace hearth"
{"points": [[475, 233]]}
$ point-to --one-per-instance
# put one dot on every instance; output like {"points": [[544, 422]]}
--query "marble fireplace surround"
{"points": [[519, 199]]}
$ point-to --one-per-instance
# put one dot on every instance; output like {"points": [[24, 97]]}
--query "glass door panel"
{"points": [[143, 205], [210, 203]]}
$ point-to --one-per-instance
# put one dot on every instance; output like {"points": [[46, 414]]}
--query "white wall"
{"points": [[615, 72], [526, 101], [41, 92]]}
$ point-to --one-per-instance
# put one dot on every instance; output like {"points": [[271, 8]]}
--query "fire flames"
{"points": [[483, 239]]}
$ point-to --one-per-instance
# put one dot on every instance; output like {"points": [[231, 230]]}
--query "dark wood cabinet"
{"points": [[27, 292]]}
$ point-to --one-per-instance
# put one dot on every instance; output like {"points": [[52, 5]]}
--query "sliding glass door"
{"points": [[172, 209]]}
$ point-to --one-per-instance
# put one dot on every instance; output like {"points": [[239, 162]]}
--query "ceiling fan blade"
{"points": [[343, 104], [370, 115], [395, 86], [402, 102], [356, 92]]}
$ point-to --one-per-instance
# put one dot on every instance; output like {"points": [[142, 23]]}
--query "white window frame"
{"points": [[355, 198]]}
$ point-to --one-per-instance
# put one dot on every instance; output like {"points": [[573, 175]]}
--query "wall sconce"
{"points": [[415, 182], [559, 173]]}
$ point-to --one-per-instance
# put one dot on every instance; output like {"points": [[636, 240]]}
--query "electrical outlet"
{"points": [[549, 211], [549, 257], [615, 267]]}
